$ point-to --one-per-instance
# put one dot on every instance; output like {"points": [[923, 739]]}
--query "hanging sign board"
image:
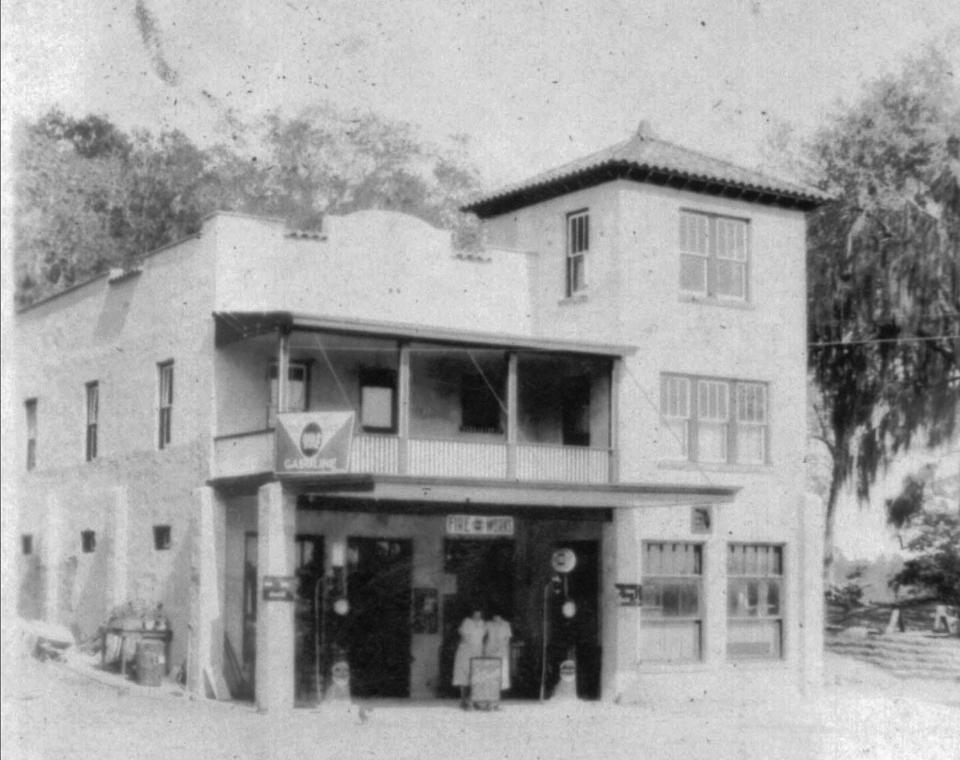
{"points": [[313, 443], [479, 525], [279, 588]]}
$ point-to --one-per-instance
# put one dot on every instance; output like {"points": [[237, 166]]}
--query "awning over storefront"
{"points": [[494, 493], [236, 325]]}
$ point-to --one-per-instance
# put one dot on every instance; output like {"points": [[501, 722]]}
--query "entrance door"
{"points": [[309, 568], [485, 578], [377, 629], [581, 633]]}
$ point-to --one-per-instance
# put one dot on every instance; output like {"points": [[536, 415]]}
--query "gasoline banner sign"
{"points": [[310, 443]]}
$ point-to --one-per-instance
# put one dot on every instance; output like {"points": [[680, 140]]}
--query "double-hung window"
{"points": [[93, 414], [30, 410], [713, 420], [754, 607], [714, 256], [298, 383], [165, 404], [578, 244], [672, 609]]}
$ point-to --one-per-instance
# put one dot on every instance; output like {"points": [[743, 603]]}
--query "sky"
{"points": [[532, 83]]}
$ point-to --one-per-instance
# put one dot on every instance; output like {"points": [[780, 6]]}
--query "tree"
{"points": [[884, 274], [935, 525]]}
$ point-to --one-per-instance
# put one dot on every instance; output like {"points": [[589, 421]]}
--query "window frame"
{"points": [[92, 395], [712, 255], [30, 408], [165, 397], [273, 374], [733, 424], [377, 377], [695, 579], [776, 574], [576, 250]]}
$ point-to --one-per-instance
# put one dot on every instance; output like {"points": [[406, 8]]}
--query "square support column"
{"points": [[621, 625], [276, 525], [812, 518], [206, 643]]}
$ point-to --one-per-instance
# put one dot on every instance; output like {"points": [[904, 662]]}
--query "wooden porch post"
{"points": [[512, 412], [403, 408], [616, 376], [283, 370]]}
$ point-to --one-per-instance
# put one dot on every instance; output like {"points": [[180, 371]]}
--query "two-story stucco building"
{"points": [[335, 444]]}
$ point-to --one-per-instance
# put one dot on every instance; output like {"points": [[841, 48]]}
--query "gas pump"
{"points": [[557, 591], [332, 588]]}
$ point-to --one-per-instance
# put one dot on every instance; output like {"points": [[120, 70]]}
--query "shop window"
{"points": [[378, 405], [298, 386], [161, 537], [26, 543], [754, 601], [88, 541], [479, 405], [672, 592]]}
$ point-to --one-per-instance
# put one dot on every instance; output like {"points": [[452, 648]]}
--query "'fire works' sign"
{"points": [[313, 442], [479, 525]]}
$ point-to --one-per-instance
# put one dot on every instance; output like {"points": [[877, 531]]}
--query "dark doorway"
{"points": [[308, 560], [575, 410], [378, 625], [579, 635], [485, 578]]}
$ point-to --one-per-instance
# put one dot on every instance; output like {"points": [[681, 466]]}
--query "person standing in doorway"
{"points": [[497, 644], [472, 631]]}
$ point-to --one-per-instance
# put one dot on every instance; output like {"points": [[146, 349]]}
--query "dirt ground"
{"points": [[64, 711]]}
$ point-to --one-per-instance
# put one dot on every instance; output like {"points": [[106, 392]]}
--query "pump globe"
{"points": [[569, 608], [341, 606]]}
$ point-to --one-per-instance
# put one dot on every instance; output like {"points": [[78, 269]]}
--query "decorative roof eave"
{"points": [[502, 203]]}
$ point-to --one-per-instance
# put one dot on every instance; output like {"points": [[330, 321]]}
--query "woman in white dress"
{"points": [[499, 634], [472, 631]]}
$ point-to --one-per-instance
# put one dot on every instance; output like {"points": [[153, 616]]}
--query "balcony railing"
{"points": [[251, 453]]}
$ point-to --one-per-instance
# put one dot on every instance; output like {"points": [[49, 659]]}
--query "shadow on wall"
{"points": [[90, 590], [175, 597]]}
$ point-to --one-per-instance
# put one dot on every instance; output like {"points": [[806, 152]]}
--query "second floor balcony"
{"points": [[424, 406]]}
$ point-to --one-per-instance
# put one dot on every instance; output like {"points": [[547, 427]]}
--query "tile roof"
{"points": [[645, 158]]}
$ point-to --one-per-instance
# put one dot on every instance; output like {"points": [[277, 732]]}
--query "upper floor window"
{"points": [[378, 407], [713, 256], [754, 611], [93, 412], [30, 410], [298, 384], [165, 405], [717, 421], [578, 243]]}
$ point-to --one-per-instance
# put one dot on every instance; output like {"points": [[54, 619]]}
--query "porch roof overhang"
{"points": [[480, 493], [233, 326]]}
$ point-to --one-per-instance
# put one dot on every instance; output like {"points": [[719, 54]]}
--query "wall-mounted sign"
{"points": [[479, 525], [630, 594], [313, 442], [279, 588]]}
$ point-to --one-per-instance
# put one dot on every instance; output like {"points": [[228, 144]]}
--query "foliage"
{"points": [[848, 595], [89, 196], [884, 274], [936, 569]]}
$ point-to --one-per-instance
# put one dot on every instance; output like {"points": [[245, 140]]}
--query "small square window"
{"points": [[700, 520], [88, 541], [26, 543], [161, 537]]}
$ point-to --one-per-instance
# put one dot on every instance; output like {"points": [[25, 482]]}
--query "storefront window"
{"points": [[754, 609], [671, 615]]}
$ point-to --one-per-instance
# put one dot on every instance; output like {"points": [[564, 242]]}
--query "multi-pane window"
{"points": [[754, 606], [298, 383], [30, 409], [672, 612], [578, 244], [93, 413], [709, 420], [165, 403], [378, 407], [713, 256]]}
